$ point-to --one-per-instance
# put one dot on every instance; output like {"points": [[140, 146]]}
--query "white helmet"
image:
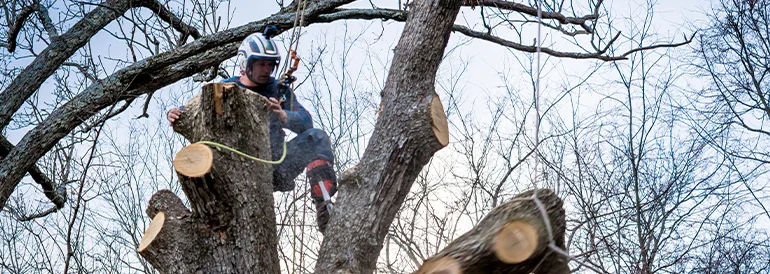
{"points": [[256, 47]]}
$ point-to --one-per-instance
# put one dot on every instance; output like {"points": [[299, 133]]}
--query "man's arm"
{"points": [[299, 118]]}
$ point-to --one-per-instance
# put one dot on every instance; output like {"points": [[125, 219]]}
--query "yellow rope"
{"points": [[244, 155]]}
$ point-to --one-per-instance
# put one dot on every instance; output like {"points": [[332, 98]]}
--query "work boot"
{"points": [[321, 174], [322, 215]]}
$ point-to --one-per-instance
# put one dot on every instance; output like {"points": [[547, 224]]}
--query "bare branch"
{"points": [[58, 197], [532, 49], [109, 115], [398, 15], [146, 106], [169, 17], [38, 215], [82, 70], [657, 46], [15, 29], [531, 11], [42, 13]]}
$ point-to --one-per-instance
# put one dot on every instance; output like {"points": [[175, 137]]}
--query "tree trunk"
{"points": [[231, 227], [512, 238], [407, 134]]}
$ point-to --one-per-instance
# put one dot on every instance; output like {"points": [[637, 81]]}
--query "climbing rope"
{"points": [[299, 20], [544, 215], [244, 155], [537, 94]]}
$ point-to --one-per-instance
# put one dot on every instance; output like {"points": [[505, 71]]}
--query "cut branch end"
{"points": [[443, 265], [152, 231], [440, 124], [194, 160], [516, 242]]}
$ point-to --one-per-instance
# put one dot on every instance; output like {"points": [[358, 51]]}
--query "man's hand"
{"points": [[173, 114], [275, 107]]}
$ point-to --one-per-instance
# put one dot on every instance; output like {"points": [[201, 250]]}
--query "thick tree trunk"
{"points": [[407, 134], [512, 238], [231, 227]]}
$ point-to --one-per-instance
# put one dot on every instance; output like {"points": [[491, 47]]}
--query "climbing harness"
{"points": [[244, 155]]}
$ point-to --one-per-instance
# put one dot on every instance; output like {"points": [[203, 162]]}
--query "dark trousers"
{"points": [[311, 145]]}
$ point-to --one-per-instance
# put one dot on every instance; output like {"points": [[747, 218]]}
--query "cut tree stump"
{"points": [[230, 226], [512, 238]]}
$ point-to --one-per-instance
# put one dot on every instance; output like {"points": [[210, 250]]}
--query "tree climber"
{"points": [[258, 57]]}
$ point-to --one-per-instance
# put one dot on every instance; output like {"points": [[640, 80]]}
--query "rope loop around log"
{"points": [[244, 155]]}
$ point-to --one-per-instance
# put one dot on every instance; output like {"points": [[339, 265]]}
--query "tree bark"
{"points": [[403, 141], [231, 227], [512, 238]]}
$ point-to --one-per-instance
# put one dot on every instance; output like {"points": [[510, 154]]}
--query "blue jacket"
{"points": [[299, 118]]}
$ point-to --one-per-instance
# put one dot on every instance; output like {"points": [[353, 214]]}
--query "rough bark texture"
{"points": [[402, 143], [231, 228], [474, 250]]}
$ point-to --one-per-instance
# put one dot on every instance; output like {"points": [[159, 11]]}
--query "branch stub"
{"points": [[194, 160]]}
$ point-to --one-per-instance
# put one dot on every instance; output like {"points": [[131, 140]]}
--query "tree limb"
{"points": [[42, 13], [169, 17], [146, 106], [532, 49], [514, 237], [532, 11], [410, 129], [398, 15], [15, 29], [657, 46], [38, 215], [57, 196]]}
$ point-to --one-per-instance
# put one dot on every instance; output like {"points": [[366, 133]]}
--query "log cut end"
{"points": [[440, 124], [443, 265], [194, 160], [516, 242], [149, 235]]}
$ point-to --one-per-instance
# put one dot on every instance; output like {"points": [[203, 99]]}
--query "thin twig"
{"points": [[38, 215]]}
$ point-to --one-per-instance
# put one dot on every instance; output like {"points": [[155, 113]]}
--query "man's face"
{"points": [[261, 70]]}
